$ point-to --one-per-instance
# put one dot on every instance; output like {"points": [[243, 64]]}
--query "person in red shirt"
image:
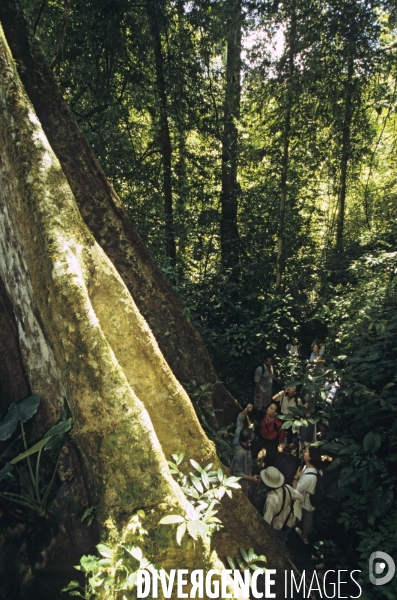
{"points": [[270, 435]]}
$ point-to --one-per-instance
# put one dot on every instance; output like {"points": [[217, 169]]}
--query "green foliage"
{"points": [[36, 492], [204, 493], [362, 422], [115, 569], [248, 560], [18, 412], [88, 515]]}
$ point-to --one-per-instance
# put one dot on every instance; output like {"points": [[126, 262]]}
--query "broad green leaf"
{"points": [[192, 529], [132, 580], [104, 551], [36, 448], [231, 563], [372, 442], [191, 513], [28, 407], [244, 554], [196, 465], [136, 553], [88, 562], [171, 519], [205, 480], [71, 585], [255, 567], [9, 423], [56, 432], [180, 532], [105, 562]]}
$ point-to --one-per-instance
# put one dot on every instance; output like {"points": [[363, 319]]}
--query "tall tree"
{"points": [[346, 142], [230, 186], [156, 16], [289, 99]]}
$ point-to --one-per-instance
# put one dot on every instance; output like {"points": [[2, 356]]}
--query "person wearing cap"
{"points": [[283, 504]]}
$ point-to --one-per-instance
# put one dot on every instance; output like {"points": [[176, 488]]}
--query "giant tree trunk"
{"points": [[101, 209], [230, 186], [83, 339]]}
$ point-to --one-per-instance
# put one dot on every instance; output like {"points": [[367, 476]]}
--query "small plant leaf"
{"points": [[38, 446], [196, 465], [28, 407], [56, 433], [104, 551], [9, 423], [171, 520], [180, 532]]}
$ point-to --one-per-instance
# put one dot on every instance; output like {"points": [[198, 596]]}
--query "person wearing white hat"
{"points": [[283, 504]]}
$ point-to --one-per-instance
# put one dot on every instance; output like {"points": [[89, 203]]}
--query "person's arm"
{"points": [[240, 422], [278, 395], [282, 434], [296, 479], [252, 478], [238, 467]]}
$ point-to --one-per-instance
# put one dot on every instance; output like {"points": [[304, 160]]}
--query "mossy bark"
{"points": [[102, 211], [83, 339]]}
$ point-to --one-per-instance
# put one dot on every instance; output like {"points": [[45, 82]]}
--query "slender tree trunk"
{"points": [[83, 338], [230, 186], [345, 151], [113, 230], [154, 15], [180, 166], [285, 157]]}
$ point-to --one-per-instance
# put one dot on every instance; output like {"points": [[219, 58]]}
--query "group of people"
{"points": [[292, 465]]}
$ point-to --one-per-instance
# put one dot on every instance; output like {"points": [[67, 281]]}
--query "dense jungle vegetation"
{"points": [[254, 146]]}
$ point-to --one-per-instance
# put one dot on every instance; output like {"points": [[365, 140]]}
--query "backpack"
{"points": [[294, 508], [321, 489]]}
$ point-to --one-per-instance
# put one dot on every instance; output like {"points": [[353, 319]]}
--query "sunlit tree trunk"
{"points": [[101, 209], [285, 156], [345, 149], [230, 186], [83, 339]]}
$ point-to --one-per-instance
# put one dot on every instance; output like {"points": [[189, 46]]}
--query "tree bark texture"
{"points": [[230, 186], [102, 211], [285, 157], [345, 152], [154, 15], [83, 339]]}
